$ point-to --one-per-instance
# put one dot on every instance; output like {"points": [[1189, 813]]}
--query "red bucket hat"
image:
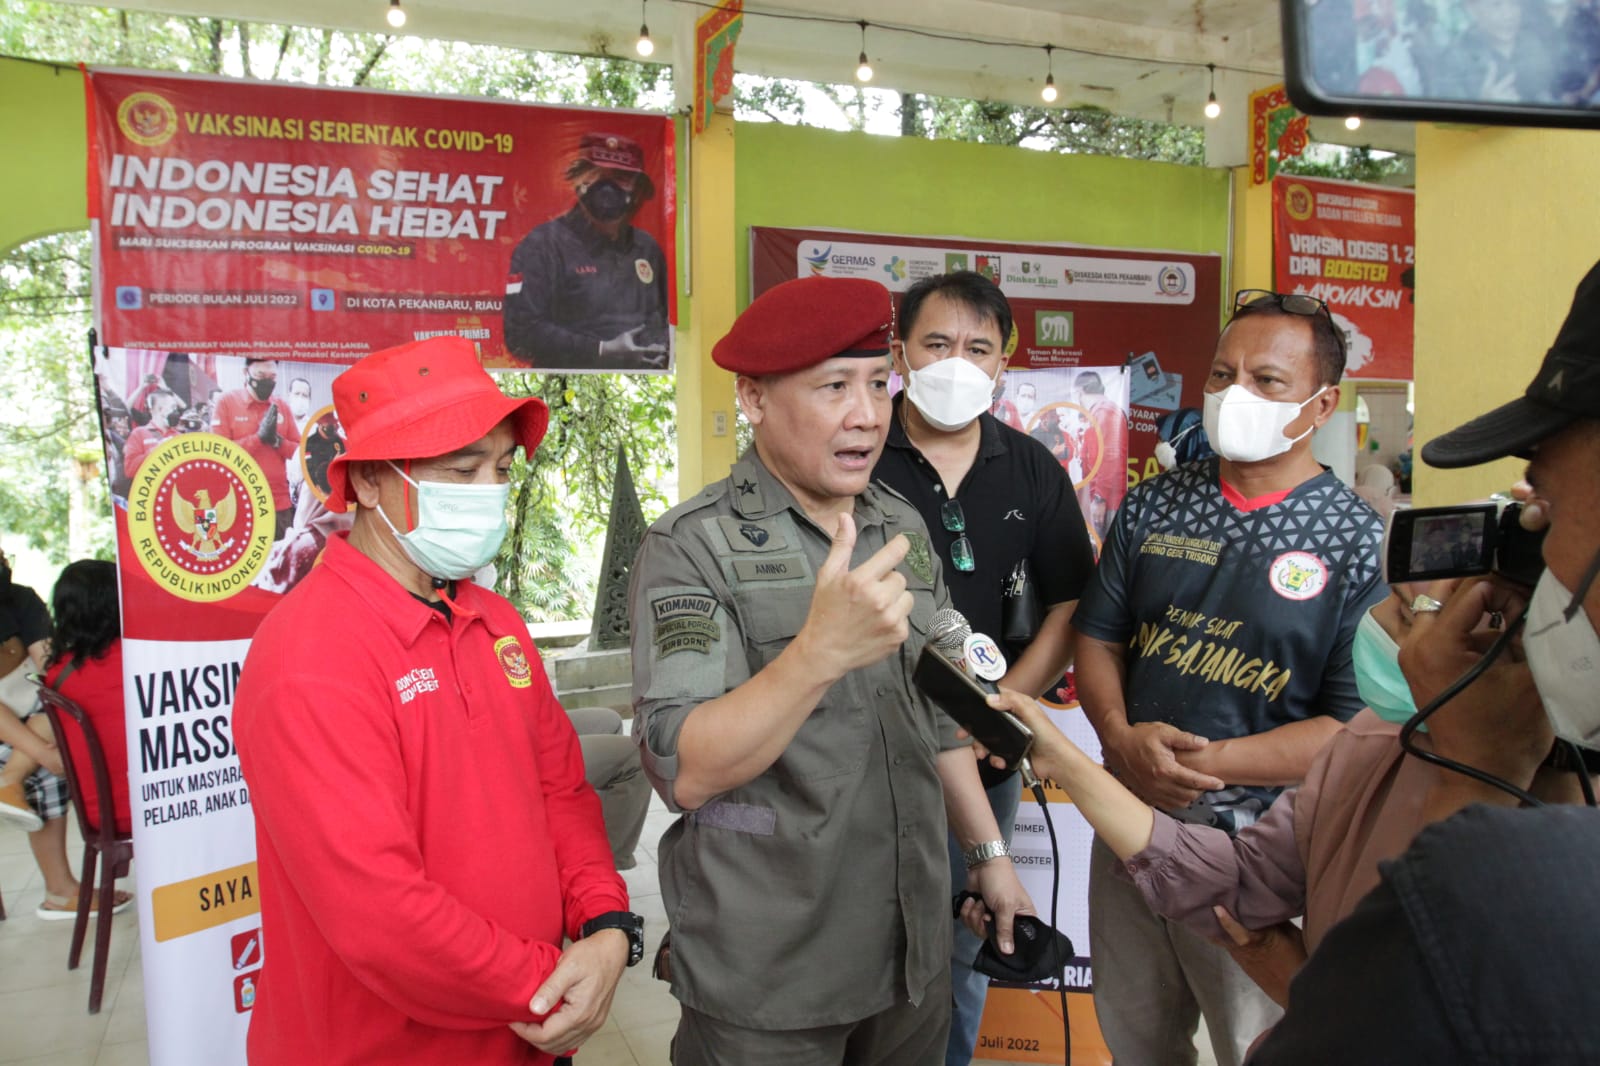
{"points": [[420, 400]]}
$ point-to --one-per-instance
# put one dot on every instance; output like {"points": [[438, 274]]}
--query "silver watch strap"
{"points": [[982, 853]]}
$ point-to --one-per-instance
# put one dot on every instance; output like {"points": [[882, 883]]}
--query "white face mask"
{"points": [[1244, 428], [950, 393], [1564, 655], [459, 527]]}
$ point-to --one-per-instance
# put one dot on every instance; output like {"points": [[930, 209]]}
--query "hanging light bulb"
{"points": [[1049, 90], [1213, 109], [645, 46], [863, 68], [1353, 122], [397, 14]]}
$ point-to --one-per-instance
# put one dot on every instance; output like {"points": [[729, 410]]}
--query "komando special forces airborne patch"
{"points": [[919, 557], [683, 621]]}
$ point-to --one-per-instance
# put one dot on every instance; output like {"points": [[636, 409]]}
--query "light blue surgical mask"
{"points": [[1376, 659], [459, 527]]}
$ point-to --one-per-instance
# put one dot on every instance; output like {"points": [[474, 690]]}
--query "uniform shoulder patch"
{"points": [[683, 621], [919, 557]]}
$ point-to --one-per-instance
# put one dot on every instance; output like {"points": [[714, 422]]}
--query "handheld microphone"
{"points": [[977, 655]]}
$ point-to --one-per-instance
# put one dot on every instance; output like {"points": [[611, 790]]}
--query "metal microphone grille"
{"points": [[948, 631]]}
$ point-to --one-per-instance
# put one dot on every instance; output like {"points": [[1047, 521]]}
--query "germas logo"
{"points": [[819, 261]]}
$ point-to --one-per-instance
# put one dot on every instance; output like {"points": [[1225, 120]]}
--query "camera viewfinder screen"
{"points": [[1523, 62], [1451, 542]]}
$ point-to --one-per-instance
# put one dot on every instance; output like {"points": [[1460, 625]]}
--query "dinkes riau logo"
{"points": [[147, 119], [200, 516]]}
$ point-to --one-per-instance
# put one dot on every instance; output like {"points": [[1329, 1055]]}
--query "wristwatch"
{"points": [[627, 921], [989, 849]]}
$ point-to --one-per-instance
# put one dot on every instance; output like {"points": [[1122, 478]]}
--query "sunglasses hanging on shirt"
{"points": [[954, 521]]}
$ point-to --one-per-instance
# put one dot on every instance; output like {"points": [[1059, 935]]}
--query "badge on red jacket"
{"points": [[514, 661]]}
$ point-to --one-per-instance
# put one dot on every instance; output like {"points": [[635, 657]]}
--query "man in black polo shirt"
{"points": [[991, 497], [587, 290]]}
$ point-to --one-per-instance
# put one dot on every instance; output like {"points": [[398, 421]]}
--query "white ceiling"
{"points": [[1141, 58]]}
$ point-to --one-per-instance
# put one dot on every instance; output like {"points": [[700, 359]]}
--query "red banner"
{"points": [[239, 217], [1354, 247], [1124, 339]]}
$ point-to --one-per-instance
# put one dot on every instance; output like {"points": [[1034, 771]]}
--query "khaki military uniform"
{"points": [[818, 893]]}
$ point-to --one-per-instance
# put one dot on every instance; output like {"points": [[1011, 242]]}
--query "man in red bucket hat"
{"points": [[425, 836], [587, 290]]}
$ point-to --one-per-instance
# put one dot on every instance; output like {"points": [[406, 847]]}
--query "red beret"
{"points": [[612, 150], [803, 322]]}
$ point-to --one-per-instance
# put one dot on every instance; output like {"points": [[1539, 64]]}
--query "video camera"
{"points": [[1430, 543]]}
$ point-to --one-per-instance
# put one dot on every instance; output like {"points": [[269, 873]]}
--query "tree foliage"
{"points": [[1082, 130], [560, 497]]}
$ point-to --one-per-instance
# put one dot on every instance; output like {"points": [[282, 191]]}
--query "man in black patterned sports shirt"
{"points": [[1213, 657]]}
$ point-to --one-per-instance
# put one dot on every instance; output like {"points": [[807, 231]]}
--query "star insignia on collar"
{"points": [[746, 487]]}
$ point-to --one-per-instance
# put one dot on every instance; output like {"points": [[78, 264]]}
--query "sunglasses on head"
{"points": [[1295, 303]]}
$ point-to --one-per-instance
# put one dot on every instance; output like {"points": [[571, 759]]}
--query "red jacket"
{"points": [[96, 686], [141, 442], [424, 832], [238, 417]]}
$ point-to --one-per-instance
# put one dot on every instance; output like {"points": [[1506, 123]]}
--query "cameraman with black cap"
{"points": [[1473, 947]]}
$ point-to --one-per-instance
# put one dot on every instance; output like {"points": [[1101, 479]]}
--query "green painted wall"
{"points": [[795, 176], [43, 164]]}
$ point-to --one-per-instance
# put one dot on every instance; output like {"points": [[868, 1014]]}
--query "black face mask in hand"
{"points": [[1039, 953]]}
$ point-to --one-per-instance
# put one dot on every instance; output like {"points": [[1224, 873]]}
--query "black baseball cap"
{"points": [[1566, 389]]}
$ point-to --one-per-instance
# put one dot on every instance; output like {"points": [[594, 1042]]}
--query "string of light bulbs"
{"points": [[645, 47]]}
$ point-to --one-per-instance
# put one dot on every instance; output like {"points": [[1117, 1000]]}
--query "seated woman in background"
{"points": [[86, 667]]}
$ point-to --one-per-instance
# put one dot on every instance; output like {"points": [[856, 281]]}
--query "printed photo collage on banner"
{"points": [[1108, 358], [251, 241]]}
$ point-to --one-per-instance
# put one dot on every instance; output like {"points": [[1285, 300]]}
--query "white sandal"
{"points": [[63, 908]]}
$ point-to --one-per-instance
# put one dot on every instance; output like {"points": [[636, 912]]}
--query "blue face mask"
{"points": [[459, 527], [1376, 658]]}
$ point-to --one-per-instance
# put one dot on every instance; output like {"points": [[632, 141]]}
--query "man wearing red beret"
{"points": [[425, 835], [777, 617], [587, 290]]}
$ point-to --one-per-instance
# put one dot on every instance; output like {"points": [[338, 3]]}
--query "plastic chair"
{"points": [[99, 842]]}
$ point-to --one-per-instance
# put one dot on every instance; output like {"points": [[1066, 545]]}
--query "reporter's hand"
{"points": [[857, 617], [1497, 723], [576, 997], [1144, 757], [1003, 899], [1270, 957], [1051, 748]]}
